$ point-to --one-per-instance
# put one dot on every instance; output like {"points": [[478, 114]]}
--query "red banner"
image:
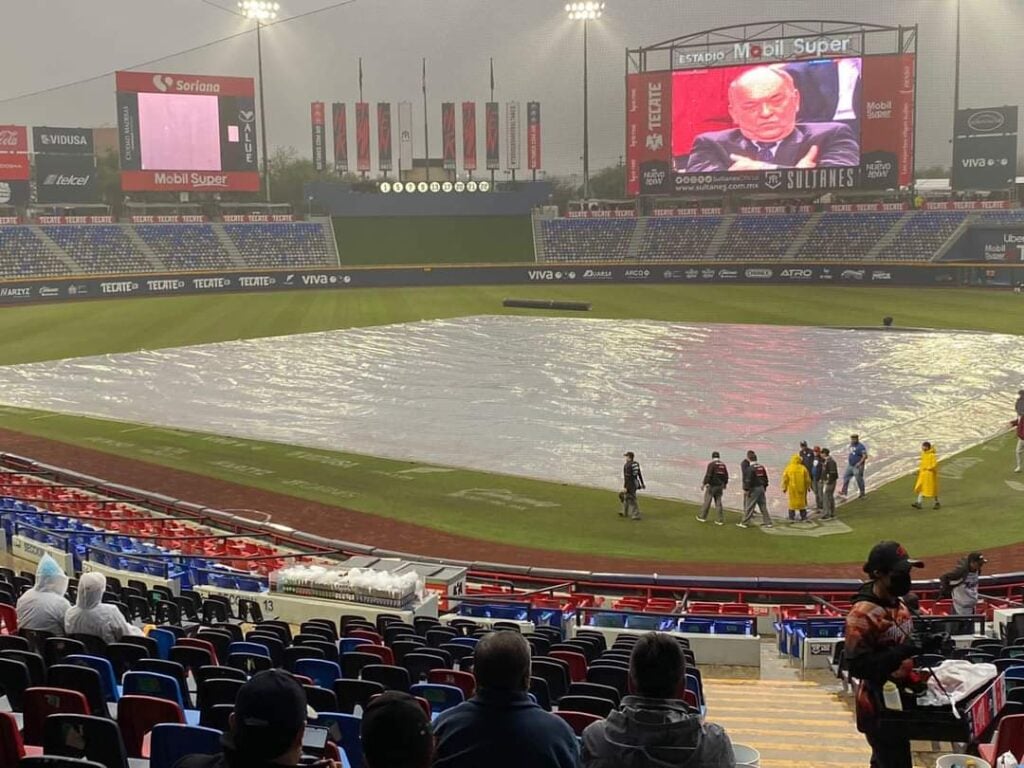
{"points": [[75, 219], [533, 135], [340, 137], [384, 143], [617, 213], [362, 136], [448, 135], [13, 138], [319, 121], [493, 149], [866, 207], [10, 220], [648, 132], [190, 181], [257, 218], [887, 120], [764, 209], [163, 219], [14, 167], [967, 205], [469, 135], [195, 85]]}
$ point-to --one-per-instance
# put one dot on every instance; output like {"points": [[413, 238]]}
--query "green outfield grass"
{"points": [[979, 490]]}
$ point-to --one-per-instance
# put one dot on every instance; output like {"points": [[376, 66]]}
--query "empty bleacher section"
{"points": [[186, 246], [883, 235], [665, 240], [588, 240], [923, 234], [52, 250], [24, 253], [840, 236], [295, 244], [99, 248]]}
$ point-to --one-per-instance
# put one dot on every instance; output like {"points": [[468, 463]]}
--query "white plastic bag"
{"points": [[1007, 760], [959, 678]]}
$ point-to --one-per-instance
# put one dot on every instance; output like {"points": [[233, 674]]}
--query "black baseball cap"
{"points": [[803, 443], [396, 733], [629, 454], [887, 556], [716, 455], [976, 557], [270, 711]]}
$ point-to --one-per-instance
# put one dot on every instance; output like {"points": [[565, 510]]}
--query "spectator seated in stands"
{"points": [[90, 616], [395, 732], [42, 608], [266, 727], [653, 727], [501, 727]]}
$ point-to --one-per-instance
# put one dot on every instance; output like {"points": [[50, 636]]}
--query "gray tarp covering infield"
{"points": [[561, 398]]}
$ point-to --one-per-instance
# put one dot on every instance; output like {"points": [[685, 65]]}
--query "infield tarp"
{"points": [[561, 399]]}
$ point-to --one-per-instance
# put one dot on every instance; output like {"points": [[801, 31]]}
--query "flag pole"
{"points": [[492, 99], [426, 128]]}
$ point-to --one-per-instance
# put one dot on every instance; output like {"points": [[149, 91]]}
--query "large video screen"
{"points": [[780, 127], [186, 133]]}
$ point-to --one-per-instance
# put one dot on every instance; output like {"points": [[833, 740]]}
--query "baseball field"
{"points": [[448, 510]]}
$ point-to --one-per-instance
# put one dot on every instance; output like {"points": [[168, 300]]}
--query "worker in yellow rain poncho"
{"points": [[796, 482], [927, 485]]}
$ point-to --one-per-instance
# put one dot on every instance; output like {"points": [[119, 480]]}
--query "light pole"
{"points": [[261, 11], [585, 12]]}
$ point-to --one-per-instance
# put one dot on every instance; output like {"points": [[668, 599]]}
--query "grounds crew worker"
{"points": [[716, 477], [829, 478], [796, 482], [755, 483], [927, 485], [880, 647], [632, 481]]}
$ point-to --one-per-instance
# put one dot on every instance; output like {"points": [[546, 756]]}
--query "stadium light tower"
{"points": [[261, 12], [585, 12]]}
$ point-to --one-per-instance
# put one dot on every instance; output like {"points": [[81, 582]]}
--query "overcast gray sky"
{"points": [[537, 54]]}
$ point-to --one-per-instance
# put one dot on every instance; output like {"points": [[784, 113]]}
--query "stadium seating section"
{"points": [[888, 235], [107, 249]]}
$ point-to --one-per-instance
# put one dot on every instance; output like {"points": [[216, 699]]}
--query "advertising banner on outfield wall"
{"points": [[533, 135], [14, 193], [67, 179], [64, 141], [493, 140], [318, 119], [448, 135], [469, 135], [384, 142], [340, 123], [362, 136], [134, 286]]}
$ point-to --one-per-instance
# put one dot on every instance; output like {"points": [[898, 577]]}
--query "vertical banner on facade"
{"points": [[469, 135], [384, 144], [404, 135], [533, 135], [448, 134], [319, 136], [492, 126], [362, 136], [513, 109], [648, 136], [887, 121], [340, 122]]}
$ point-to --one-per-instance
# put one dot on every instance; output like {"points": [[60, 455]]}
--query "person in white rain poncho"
{"points": [[90, 616], [42, 608]]}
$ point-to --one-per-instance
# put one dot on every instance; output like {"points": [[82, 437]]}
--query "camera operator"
{"points": [[880, 646]]}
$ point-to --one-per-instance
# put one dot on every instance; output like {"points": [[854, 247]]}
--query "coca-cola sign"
{"points": [[13, 138]]}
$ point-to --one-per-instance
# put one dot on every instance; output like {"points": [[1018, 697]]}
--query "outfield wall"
{"points": [[377, 240], [520, 276]]}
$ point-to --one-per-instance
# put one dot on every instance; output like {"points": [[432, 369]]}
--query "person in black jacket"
{"points": [[716, 478], [265, 729], [755, 483], [829, 478]]}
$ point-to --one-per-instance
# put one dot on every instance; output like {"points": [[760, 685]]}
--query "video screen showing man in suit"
{"points": [[772, 126]]}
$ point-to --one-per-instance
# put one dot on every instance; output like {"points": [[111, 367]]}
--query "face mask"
{"points": [[899, 583]]}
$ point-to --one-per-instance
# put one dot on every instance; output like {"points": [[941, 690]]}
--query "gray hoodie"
{"points": [[655, 733]]}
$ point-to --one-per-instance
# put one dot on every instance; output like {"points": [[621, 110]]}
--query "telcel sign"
{"points": [[782, 48]]}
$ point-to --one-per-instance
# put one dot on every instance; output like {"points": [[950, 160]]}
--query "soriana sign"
{"points": [[194, 85]]}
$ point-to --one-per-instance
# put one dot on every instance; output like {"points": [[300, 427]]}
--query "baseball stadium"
{"points": [[355, 417]]}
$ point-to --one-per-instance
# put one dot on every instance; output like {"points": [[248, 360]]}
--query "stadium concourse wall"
{"points": [[13, 292]]}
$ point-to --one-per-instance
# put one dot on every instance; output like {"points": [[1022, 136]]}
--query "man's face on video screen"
{"points": [[763, 103]]}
